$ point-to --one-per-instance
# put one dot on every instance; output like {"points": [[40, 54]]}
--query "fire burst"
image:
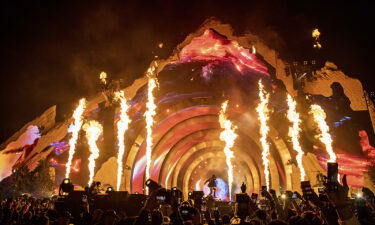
{"points": [[294, 130], [263, 115], [93, 130], [122, 126], [324, 136], [74, 128], [316, 36], [228, 136], [149, 114], [103, 77]]}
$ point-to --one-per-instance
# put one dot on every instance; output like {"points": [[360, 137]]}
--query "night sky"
{"points": [[53, 51]]}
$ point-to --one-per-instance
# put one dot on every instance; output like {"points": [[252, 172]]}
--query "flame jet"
{"points": [[228, 135], [149, 114], [324, 136], [263, 116], [294, 130], [74, 128], [122, 126], [93, 131]]}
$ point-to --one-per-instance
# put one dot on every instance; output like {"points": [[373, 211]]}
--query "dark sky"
{"points": [[53, 51]]}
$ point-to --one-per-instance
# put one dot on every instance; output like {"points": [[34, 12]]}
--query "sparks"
{"points": [[324, 136], [227, 135], [149, 115], [103, 77], [294, 130], [122, 126], [93, 130], [74, 128], [263, 116]]}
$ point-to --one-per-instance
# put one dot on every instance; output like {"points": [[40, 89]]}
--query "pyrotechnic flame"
{"points": [[316, 36], [316, 33], [263, 116], [324, 136], [74, 128], [294, 130], [228, 135], [122, 126], [103, 77], [149, 114], [93, 130]]}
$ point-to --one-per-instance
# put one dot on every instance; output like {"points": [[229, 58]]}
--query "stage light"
{"points": [[66, 186], [177, 193], [66, 181], [283, 196], [109, 189], [152, 185]]}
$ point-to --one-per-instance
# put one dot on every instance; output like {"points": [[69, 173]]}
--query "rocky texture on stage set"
{"points": [[212, 65]]}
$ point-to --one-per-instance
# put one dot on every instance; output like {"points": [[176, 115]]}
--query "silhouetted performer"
{"points": [[243, 188], [212, 184]]}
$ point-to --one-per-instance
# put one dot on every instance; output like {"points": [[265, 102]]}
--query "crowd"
{"points": [[329, 208]]}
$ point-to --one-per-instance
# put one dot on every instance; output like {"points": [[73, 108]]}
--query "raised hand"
{"points": [[340, 200]]}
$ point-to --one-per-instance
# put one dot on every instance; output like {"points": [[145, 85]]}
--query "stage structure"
{"points": [[209, 67]]}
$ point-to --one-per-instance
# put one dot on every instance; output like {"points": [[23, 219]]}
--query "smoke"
{"points": [[53, 53]]}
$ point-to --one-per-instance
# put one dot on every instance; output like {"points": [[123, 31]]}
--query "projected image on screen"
{"points": [[222, 189]]}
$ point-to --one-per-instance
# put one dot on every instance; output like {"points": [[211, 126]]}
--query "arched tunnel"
{"points": [[186, 143]]}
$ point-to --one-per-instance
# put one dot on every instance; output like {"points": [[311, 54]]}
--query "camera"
{"points": [[177, 194], [163, 196], [186, 211], [332, 177], [242, 201], [197, 197], [306, 189], [160, 199]]}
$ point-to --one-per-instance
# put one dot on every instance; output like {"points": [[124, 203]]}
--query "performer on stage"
{"points": [[212, 185]]}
